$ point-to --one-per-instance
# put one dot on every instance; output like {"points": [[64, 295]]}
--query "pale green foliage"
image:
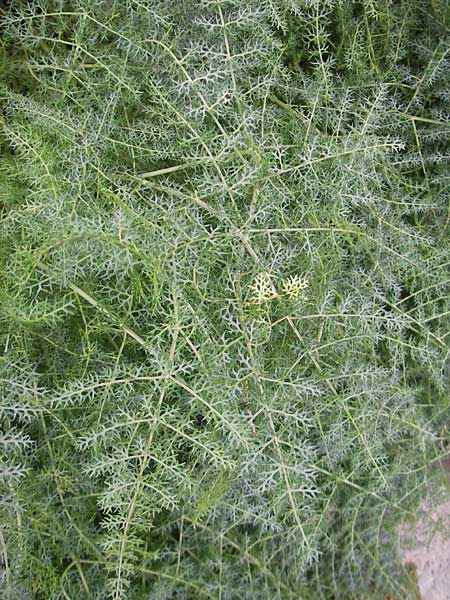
{"points": [[224, 304]]}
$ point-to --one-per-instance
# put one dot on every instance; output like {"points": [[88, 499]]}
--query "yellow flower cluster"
{"points": [[294, 287], [263, 289]]}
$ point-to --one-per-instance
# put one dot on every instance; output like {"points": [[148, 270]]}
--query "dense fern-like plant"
{"points": [[224, 303]]}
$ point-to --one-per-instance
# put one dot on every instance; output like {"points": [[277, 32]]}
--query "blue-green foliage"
{"points": [[224, 303]]}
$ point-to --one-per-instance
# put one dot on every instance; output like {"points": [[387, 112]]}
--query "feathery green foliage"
{"points": [[224, 304]]}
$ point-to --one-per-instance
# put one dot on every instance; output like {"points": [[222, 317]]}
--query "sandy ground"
{"points": [[427, 549]]}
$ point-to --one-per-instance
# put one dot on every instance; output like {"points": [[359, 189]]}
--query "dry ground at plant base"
{"points": [[426, 546]]}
